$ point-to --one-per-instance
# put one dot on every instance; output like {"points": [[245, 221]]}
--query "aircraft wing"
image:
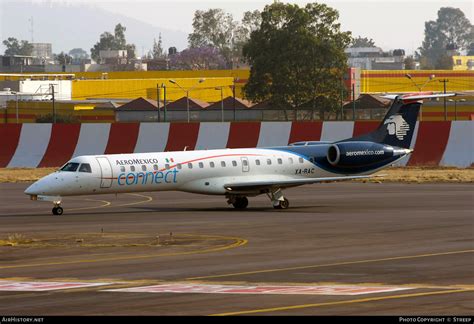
{"points": [[270, 184]]}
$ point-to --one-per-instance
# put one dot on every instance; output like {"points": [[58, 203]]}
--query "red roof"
{"points": [[180, 104]]}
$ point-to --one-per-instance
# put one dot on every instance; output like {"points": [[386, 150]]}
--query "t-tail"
{"points": [[385, 145], [398, 126]]}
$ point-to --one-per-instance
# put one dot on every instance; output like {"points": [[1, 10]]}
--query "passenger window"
{"points": [[122, 169], [167, 166], [301, 160], [201, 165], [290, 160], [71, 167], [190, 165], [234, 163], [85, 167], [132, 168], [269, 161], [245, 162], [223, 164], [212, 164], [143, 167], [179, 166], [155, 167], [257, 162], [280, 161]]}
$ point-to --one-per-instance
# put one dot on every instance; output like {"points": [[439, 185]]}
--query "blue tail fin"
{"points": [[397, 127]]}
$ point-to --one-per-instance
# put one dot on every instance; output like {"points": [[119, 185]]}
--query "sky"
{"points": [[391, 24]]}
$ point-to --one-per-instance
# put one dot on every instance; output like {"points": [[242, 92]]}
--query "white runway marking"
{"points": [[44, 285], [268, 289]]}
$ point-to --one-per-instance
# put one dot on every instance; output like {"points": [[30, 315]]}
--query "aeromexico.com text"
{"points": [[366, 152]]}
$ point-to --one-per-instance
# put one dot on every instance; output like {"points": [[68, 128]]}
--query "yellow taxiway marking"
{"points": [[148, 199], [344, 302], [332, 264], [106, 203], [237, 242]]}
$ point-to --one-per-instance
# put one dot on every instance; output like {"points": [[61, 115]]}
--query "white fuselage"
{"points": [[203, 172]]}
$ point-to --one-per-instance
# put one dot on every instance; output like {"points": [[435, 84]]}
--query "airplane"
{"points": [[240, 173]]}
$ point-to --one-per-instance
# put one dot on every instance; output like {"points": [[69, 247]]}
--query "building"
{"points": [[43, 51], [463, 63], [373, 58], [113, 57]]}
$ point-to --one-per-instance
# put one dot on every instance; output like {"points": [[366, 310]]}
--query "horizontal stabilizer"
{"points": [[419, 96]]}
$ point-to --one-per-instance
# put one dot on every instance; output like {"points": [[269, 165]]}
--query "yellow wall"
{"points": [[237, 74], [146, 88], [28, 111], [395, 81]]}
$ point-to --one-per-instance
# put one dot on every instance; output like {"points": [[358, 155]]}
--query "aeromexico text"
{"points": [[136, 161]]}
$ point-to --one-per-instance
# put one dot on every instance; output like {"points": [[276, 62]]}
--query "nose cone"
{"points": [[40, 187], [31, 190]]}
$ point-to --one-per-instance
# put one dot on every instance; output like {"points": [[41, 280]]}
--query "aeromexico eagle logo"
{"points": [[397, 126]]}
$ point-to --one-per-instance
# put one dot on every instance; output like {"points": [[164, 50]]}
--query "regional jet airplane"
{"points": [[239, 173]]}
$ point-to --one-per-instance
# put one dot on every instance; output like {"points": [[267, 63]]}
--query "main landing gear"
{"points": [[239, 202], [278, 201], [276, 197]]}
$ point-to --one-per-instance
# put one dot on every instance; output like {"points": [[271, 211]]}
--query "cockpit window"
{"points": [[71, 167], [85, 167]]}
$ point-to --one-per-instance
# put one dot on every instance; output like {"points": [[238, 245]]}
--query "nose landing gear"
{"points": [[57, 209]]}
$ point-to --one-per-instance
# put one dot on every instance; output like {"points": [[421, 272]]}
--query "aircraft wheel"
{"points": [[58, 210], [241, 203], [284, 204]]}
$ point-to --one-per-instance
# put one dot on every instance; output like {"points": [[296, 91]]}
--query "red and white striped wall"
{"points": [[47, 145]]}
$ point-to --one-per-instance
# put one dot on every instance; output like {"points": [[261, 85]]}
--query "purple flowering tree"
{"points": [[198, 58]]}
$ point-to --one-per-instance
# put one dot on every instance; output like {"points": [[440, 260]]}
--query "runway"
{"points": [[340, 249]]}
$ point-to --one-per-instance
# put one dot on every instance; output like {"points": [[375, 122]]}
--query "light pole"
{"points": [[187, 91], [455, 106], [54, 106], [221, 88], [430, 78]]}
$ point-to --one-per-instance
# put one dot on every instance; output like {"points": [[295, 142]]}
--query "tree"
{"points": [[63, 58], [250, 22], [213, 28], [297, 56], [116, 41], [409, 63], [450, 28], [198, 58], [15, 47], [78, 53], [157, 52], [360, 41]]}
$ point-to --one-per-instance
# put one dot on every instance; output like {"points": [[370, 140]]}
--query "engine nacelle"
{"points": [[359, 154]]}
